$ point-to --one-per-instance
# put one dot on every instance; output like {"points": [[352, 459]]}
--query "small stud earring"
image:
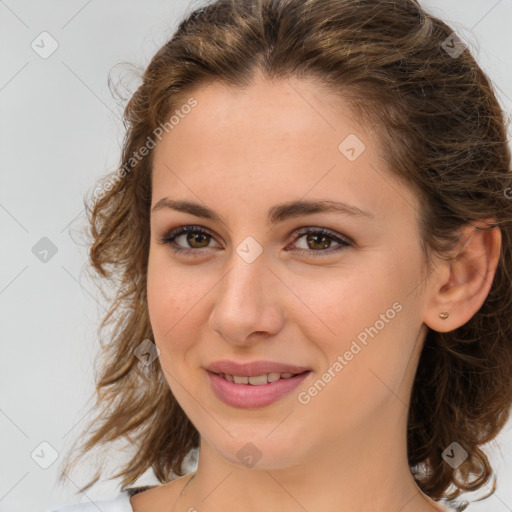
{"points": [[444, 315]]}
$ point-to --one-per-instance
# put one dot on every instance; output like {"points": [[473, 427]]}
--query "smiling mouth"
{"points": [[257, 380], [256, 390]]}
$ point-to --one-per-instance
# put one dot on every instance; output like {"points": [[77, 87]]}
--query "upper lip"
{"points": [[253, 368]]}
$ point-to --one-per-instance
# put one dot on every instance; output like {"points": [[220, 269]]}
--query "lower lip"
{"points": [[248, 395]]}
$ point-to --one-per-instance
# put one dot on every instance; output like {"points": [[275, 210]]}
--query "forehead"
{"points": [[279, 139], [277, 112]]}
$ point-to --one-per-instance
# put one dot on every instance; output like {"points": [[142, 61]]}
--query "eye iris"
{"points": [[319, 236], [192, 236]]}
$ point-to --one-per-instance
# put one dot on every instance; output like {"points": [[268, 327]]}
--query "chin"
{"points": [[255, 450]]}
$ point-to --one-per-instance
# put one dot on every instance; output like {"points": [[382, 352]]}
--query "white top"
{"points": [[119, 504]]}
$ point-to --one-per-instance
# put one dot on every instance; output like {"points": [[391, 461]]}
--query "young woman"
{"points": [[310, 235]]}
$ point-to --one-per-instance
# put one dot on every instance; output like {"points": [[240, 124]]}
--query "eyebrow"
{"points": [[275, 214]]}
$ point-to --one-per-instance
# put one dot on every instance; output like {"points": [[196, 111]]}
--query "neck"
{"points": [[364, 469]]}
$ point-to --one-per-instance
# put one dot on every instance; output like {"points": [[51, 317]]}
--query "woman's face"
{"points": [[348, 305]]}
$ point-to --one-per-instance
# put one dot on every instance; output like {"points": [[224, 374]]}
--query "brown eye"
{"points": [[196, 237], [192, 236], [318, 240]]}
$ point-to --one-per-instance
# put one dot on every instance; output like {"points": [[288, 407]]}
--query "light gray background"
{"points": [[60, 131]]}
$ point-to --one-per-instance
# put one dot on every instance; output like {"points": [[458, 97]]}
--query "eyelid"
{"points": [[343, 241], [299, 232], [184, 229], [168, 238]]}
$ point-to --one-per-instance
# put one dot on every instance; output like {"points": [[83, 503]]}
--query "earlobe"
{"points": [[462, 284]]}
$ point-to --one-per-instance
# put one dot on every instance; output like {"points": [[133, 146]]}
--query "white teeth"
{"points": [[257, 380]]}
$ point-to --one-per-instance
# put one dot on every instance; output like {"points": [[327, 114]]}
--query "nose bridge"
{"points": [[244, 302], [243, 285]]}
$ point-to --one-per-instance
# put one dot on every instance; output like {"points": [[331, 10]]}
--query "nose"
{"points": [[246, 305]]}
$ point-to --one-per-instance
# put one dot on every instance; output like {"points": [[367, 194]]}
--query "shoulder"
{"points": [[157, 498]]}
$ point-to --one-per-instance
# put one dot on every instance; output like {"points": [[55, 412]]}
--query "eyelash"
{"points": [[173, 234]]}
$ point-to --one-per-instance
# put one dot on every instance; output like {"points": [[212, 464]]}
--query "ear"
{"points": [[462, 284]]}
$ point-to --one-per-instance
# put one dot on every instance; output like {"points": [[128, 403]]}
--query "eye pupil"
{"points": [[192, 236], [319, 236]]}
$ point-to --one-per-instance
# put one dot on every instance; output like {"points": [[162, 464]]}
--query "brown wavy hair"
{"points": [[442, 131]]}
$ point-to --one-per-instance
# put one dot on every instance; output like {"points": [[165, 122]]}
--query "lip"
{"points": [[247, 396], [253, 368]]}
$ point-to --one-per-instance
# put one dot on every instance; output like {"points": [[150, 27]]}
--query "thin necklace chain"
{"points": [[181, 492]]}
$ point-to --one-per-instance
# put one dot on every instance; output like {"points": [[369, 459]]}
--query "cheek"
{"points": [[176, 311], [336, 306], [168, 293], [364, 318], [166, 308]]}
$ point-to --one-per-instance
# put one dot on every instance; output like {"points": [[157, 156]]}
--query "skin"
{"points": [[240, 153]]}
